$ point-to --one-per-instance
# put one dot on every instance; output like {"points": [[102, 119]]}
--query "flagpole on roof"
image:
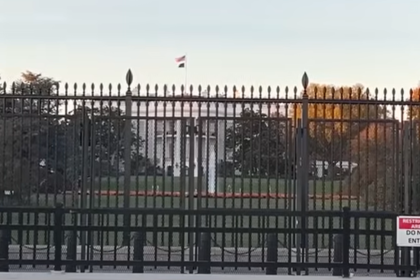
{"points": [[186, 73], [182, 63]]}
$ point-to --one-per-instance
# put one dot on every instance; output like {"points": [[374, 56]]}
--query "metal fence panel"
{"points": [[200, 149]]}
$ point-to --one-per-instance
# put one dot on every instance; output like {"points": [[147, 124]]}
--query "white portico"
{"points": [[167, 143]]}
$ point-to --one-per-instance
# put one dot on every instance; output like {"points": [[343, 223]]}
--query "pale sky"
{"points": [[227, 42]]}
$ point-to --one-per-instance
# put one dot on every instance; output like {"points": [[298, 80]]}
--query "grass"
{"points": [[228, 184], [243, 239]]}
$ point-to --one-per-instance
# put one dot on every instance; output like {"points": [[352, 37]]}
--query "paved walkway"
{"points": [[113, 276], [175, 255]]}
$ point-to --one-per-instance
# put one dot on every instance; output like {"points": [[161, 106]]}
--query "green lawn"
{"points": [[228, 184], [319, 187]]}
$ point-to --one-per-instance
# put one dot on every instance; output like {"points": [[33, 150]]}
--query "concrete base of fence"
{"points": [[156, 276]]}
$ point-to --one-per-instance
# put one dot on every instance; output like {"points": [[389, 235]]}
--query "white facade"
{"points": [[159, 125], [321, 167], [161, 128]]}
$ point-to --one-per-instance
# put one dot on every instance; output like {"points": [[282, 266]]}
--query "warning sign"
{"points": [[408, 231]]}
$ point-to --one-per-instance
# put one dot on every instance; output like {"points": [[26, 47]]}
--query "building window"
{"points": [[169, 148], [170, 127], [159, 127], [142, 128], [212, 127]]}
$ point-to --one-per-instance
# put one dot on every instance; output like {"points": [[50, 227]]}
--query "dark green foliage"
{"points": [[259, 144], [41, 148]]}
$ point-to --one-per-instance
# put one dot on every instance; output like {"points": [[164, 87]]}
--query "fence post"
{"points": [[85, 141], [272, 248], [58, 233], [4, 249], [138, 252], [338, 255], [346, 242], [192, 236], [204, 254], [71, 251], [127, 158], [302, 185], [407, 150], [297, 202], [304, 162]]}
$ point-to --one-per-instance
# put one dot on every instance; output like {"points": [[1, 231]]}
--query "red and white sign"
{"points": [[408, 231]]}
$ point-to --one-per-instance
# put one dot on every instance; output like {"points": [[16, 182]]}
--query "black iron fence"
{"points": [[317, 147], [320, 148], [202, 241], [202, 148]]}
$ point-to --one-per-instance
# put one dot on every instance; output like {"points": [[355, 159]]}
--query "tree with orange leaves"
{"points": [[413, 115], [375, 179], [337, 117], [414, 110]]}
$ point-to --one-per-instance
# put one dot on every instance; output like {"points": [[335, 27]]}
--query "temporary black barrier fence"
{"points": [[54, 235]]}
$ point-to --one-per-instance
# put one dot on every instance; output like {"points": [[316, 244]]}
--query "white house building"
{"points": [[321, 167], [160, 124], [166, 144]]}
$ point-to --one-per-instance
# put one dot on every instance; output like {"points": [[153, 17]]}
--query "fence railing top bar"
{"points": [[222, 100], [238, 118], [151, 117], [213, 211], [24, 209], [210, 211], [373, 214], [355, 120], [110, 117], [85, 98], [171, 212]]}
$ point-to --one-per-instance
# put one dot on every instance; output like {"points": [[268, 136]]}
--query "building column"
{"points": [[196, 163], [177, 147], [212, 174]]}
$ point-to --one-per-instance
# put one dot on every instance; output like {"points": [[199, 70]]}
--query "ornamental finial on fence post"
{"points": [[305, 82], [129, 78]]}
